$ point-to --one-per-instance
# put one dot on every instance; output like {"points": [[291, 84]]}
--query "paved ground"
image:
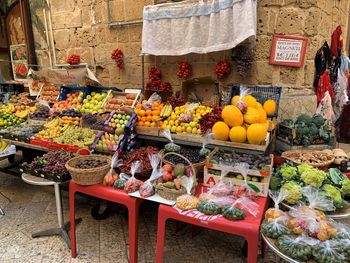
{"points": [[32, 208]]}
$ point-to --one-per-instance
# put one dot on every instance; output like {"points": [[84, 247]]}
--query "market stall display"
{"points": [[49, 93]]}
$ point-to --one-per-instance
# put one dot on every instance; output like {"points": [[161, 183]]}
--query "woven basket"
{"points": [[295, 156], [88, 176], [172, 194]]}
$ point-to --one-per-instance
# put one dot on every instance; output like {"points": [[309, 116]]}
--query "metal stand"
{"points": [[63, 228], [2, 213]]}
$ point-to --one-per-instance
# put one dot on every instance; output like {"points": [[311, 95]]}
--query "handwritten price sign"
{"points": [[288, 50]]}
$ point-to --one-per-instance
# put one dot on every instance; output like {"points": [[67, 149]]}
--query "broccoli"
{"points": [[288, 122], [313, 130], [313, 177], [294, 192], [325, 133], [334, 194], [304, 167], [318, 120], [288, 172], [304, 118], [275, 182], [345, 187], [306, 141], [302, 130]]}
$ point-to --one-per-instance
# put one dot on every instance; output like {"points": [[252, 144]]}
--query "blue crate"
{"points": [[70, 90], [261, 93]]}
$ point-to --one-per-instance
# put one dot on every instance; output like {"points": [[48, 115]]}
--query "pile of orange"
{"points": [[149, 117]]}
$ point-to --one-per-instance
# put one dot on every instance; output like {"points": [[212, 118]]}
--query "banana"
{"points": [[3, 146], [166, 111]]}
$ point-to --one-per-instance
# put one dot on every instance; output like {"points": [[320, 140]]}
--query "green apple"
{"points": [[88, 97], [118, 125], [173, 129], [192, 124], [126, 121]]}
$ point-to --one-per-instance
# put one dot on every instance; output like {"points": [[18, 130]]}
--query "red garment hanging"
{"points": [[324, 84], [337, 42]]}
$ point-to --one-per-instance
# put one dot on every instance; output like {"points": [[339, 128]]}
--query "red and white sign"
{"points": [[199, 215], [288, 50]]}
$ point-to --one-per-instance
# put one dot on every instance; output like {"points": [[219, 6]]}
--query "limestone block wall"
{"points": [[81, 26]]}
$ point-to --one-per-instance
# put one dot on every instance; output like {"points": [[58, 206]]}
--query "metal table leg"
{"points": [[2, 213]]}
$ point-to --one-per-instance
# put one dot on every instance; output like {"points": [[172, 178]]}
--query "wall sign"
{"points": [[288, 50]]}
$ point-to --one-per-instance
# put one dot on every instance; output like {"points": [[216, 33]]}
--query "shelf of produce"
{"points": [[338, 214], [26, 145], [271, 244]]}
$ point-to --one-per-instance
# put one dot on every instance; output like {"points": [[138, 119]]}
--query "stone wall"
{"points": [[81, 26]]}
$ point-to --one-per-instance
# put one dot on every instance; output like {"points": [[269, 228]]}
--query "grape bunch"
{"points": [[192, 154], [244, 60], [177, 100], [42, 113], [166, 86], [208, 120], [223, 69], [71, 113], [154, 73], [185, 70], [118, 57], [93, 121], [73, 59]]}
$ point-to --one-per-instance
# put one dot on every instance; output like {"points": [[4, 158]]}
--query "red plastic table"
{"points": [[248, 228], [113, 195]]}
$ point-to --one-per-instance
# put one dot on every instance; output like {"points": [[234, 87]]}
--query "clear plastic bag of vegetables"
{"points": [[276, 228], [343, 231], [223, 187], [133, 184], [299, 248], [153, 98], [147, 188], [330, 251], [236, 210], [170, 147], [112, 175], [246, 189], [248, 205], [206, 138], [209, 207], [187, 201], [272, 214], [120, 183], [243, 100]]}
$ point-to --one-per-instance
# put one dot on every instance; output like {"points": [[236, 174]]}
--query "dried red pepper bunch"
{"points": [[165, 86], [176, 100], [118, 57], [154, 73], [223, 69], [185, 70], [73, 59]]}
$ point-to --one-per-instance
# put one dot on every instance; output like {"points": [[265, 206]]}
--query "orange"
{"points": [[155, 118], [140, 123], [149, 118], [139, 106], [156, 103], [148, 112], [142, 113], [153, 124], [147, 124], [156, 112], [137, 111], [143, 118]]}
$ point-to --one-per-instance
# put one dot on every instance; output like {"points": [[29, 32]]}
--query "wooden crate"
{"points": [[282, 146], [121, 97], [151, 131]]}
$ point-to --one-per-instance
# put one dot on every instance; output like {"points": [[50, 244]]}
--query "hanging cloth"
{"points": [[324, 85], [323, 61], [197, 26], [337, 42]]}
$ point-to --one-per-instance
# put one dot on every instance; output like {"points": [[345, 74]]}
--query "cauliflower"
{"points": [[334, 194], [345, 187], [304, 167], [294, 192], [313, 177], [288, 172]]}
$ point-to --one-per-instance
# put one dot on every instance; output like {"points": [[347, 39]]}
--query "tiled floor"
{"points": [[32, 208]]}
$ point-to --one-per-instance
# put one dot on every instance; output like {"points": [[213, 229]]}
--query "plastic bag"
{"points": [[120, 183], [222, 188], [330, 251], [149, 103], [147, 188], [243, 91], [209, 207], [247, 204], [187, 201], [133, 184], [246, 189], [275, 228], [325, 108], [343, 231], [170, 147], [295, 247], [206, 138], [233, 212], [317, 200], [272, 214], [111, 175]]}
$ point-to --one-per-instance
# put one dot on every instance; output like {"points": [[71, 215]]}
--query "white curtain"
{"points": [[197, 26]]}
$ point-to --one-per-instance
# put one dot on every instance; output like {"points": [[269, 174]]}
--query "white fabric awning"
{"points": [[197, 26]]}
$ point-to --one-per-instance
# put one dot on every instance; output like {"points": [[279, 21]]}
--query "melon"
{"points": [[234, 100], [250, 101], [251, 116], [221, 131], [232, 116], [270, 107], [262, 115], [256, 133], [238, 134], [258, 106]]}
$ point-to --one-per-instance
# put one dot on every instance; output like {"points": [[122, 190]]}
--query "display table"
{"points": [[248, 228], [110, 194]]}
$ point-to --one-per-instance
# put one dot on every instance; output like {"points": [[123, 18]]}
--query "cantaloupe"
{"points": [[270, 107], [258, 106], [234, 100], [250, 101], [251, 116], [262, 115], [256, 133], [221, 131], [238, 134], [232, 116]]}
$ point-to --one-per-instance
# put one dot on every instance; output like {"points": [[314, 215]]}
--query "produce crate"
{"points": [[59, 178], [151, 131], [65, 90], [261, 93], [59, 146], [212, 177], [47, 88], [121, 100]]}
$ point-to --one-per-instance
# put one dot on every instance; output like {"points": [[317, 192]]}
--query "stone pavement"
{"points": [[32, 208]]}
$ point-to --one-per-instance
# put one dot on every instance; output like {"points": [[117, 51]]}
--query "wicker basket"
{"points": [[88, 176], [172, 194], [297, 157]]}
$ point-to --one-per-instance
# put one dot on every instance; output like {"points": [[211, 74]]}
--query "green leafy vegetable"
{"points": [[288, 172], [334, 194], [294, 192], [313, 177]]}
